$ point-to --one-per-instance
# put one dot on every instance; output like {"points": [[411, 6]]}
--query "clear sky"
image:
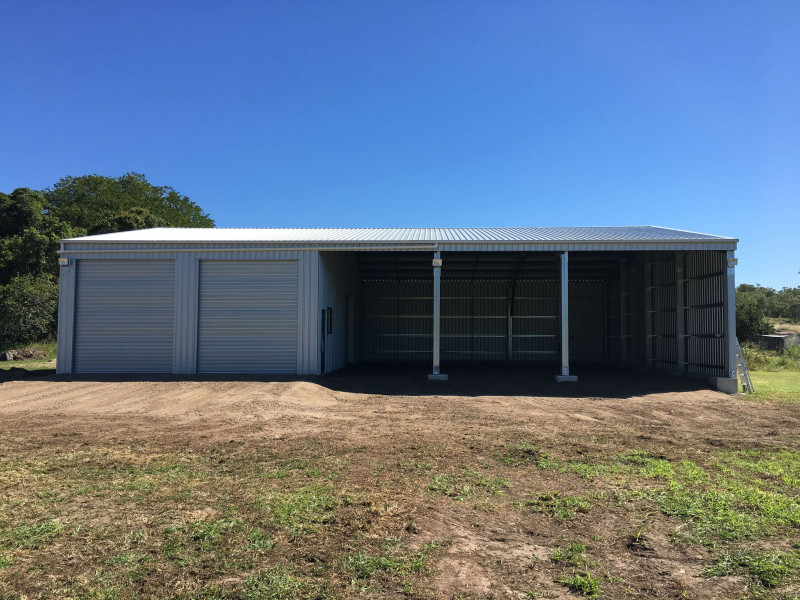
{"points": [[406, 113]]}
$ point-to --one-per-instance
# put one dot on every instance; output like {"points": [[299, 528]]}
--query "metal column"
{"points": [[437, 311], [564, 318], [648, 311], [623, 311]]}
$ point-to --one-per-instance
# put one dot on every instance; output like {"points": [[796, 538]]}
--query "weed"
{"points": [[585, 584], [521, 453], [560, 506]]}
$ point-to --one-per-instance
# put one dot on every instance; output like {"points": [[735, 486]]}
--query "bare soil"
{"points": [[395, 431]]}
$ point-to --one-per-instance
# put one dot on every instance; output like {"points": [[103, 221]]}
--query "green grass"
{"points": [[776, 385], [31, 535], [301, 511]]}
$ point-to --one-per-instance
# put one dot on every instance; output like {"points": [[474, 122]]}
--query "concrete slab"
{"points": [[437, 377], [565, 378], [729, 385]]}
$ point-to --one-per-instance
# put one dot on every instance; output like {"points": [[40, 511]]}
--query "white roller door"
{"points": [[124, 316], [247, 321]]}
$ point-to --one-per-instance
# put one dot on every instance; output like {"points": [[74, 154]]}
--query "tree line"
{"points": [[755, 304], [32, 222]]}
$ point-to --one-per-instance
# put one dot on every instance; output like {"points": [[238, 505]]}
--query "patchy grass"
{"points": [[764, 569], [106, 514]]}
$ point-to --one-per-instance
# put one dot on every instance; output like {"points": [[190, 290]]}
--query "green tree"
{"points": [[750, 316], [28, 304], [21, 209], [101, 204]]}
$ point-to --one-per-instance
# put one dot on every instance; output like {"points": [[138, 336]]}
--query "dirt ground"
{"points": [[378, 418]]}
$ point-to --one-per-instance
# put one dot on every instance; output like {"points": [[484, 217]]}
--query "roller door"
{"points": [[247, 321], [124, 316]]}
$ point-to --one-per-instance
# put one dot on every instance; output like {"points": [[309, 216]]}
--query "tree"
{"points": [[28, 304], [101, 204], [30, 235], [22, 209], [750, 317], [32, 223]]}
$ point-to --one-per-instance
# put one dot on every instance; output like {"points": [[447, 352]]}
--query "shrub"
{"points": [[750, 317], [28, 304]]}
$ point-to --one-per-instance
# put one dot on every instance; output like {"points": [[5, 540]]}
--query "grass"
{"points": [[782, 386]]}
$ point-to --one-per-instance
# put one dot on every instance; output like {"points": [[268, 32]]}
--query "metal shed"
{"points": [[310, 301]]}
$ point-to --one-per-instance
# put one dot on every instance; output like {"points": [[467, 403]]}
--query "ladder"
{"points": [[741, 370]]}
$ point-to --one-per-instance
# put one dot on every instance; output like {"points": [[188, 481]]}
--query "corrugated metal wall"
{"points": [[624, 306], [185, 263], [535, 322], [247, 317], [397, 321], [687, 294], [124, 317], [704, 290], [664, 312]]}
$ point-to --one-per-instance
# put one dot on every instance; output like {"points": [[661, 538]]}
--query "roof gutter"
{"points": [[261, 249]]}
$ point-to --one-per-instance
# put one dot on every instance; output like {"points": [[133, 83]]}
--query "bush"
{"points": [[28, 305], [750, 317], [768, 360]]}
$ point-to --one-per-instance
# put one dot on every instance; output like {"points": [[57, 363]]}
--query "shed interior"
{"points": [[644, 309]]}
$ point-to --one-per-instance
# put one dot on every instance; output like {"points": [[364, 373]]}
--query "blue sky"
{"points": [[326, 114]]}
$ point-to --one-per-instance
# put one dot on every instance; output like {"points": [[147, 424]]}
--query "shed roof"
{"points": [[482, 235]]}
